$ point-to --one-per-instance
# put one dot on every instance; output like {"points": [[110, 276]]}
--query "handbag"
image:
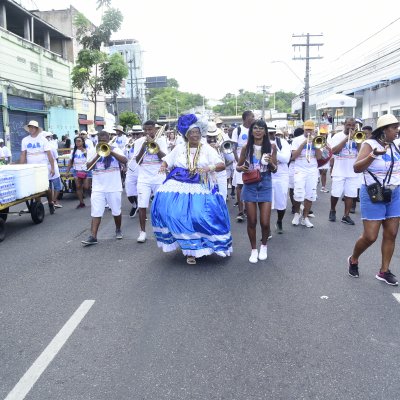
{"points": [[252, 176], [81, 174]]}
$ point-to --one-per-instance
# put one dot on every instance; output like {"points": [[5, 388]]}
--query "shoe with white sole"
{"points": [[263, 254], [142, 237], [306, 222], [254, 256], [296, 219]]}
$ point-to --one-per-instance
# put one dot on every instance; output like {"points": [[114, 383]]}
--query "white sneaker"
{"points": [[296, 219], [142, 237], [254, 256], [263, 255], [306, 222]]}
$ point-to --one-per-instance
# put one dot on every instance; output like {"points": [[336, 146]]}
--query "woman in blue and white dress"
{"points": [[188, 212]]}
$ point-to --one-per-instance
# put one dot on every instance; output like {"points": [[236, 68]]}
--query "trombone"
{"points": [[358, 137], [308, 148], [228, 147], [319, 142], [152, 147], [103, 150]]}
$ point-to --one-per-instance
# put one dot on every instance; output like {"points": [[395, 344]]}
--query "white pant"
{"points": [[280, 192], [145, 190], [99, 200], [305, 185], [131, 183], [346, 186]]}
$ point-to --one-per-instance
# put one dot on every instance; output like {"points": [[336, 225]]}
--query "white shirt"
{"points": [[35, 148], [283, 157], [150, 165], [121, 141], [241, 140], [89, 144], [5, 153], [381, 164], [54, 153], [301, 163], [79, 161], [345, 159], [106, 180], [178, 157]]}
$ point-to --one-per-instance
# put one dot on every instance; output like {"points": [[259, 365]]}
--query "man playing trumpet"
{"points": [[149, 152], [305, 156], [106, 185]]}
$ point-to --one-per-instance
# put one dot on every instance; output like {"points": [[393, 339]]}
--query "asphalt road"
{"points": [[293, 327]]}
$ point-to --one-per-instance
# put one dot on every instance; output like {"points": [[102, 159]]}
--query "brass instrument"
{"points": [[228, 147], [308, 148], [130, 144], [359, 136], [103, 150], [152, 146], [319, 142]]}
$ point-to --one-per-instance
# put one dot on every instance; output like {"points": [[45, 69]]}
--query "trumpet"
{"points": [[319, 142], [103, 150], [228, 147]]}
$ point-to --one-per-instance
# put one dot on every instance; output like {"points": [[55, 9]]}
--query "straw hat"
{"points": [[33, 123], [385, 120], [119, 128]]}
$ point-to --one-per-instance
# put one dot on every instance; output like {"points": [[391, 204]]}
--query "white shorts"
{"points": [[131, 183], [291, 175], [346, 186], [237, 178], [280, 192], [99, 200], [229, 171], [145, 190], [305, 186], [324, 167]]}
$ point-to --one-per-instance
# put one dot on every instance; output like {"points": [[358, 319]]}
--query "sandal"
{"points": [[191, 260]]}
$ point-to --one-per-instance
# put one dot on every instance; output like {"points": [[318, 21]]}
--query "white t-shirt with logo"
{"points": [[79, 162], [150, 165], [301, 163], [35, 148], [345, 159], [283, 157], [240, 139], [106, 180], [54, 153], [121, 141]]}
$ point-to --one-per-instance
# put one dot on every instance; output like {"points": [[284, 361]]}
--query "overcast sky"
{"points": [[214, 47]]}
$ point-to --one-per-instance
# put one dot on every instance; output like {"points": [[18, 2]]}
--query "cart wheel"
{"points": [[60, 195], [37, 212], [2, 229], [3, 214]]}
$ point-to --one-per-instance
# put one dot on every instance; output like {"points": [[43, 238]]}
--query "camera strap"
{"points": [[388, 173]]}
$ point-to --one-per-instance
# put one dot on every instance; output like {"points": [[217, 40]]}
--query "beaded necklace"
{"points": [[192, 168]]}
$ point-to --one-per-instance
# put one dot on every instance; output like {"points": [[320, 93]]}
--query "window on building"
{"points": [[49, 72], [375, 114], [396, 112], [21, 60], [34, 67], [384, 112]]}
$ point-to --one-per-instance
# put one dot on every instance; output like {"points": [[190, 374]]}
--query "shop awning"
{"points": [[85, 121]]}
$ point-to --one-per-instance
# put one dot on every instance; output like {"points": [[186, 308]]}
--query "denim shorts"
{"points": [[379, 211], [55, 184], [258, 192]]}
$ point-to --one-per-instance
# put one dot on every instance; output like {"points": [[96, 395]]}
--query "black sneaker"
{"points": [[387, 277], [240, 217], [133, 212], [311, 214], [332, 216], [278, 227], [90, 240], [51, 208], [347, 220], [353, 268], [236, 204]]}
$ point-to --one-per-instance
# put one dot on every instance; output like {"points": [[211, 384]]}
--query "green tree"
{"points": [[95, 71], [101, 3], [127, 118]]}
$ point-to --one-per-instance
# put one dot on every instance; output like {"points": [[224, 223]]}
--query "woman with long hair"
{"points": [[258, 155], [379, 160], [77, 162]]}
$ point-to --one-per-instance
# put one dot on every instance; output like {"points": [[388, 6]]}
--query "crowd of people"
{"points": [[182, 177]]}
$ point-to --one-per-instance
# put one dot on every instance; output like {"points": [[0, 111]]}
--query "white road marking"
{"points": [[396, 296], [22, 388]]}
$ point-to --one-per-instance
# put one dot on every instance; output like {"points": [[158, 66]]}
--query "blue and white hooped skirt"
{"points": [[191, 217]]}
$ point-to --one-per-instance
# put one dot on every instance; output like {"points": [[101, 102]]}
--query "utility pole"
{"points": [[306, 113], [131, 80], [264, 89]]}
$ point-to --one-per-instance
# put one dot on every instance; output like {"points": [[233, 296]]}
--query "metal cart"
{"points": [[35, 208]]}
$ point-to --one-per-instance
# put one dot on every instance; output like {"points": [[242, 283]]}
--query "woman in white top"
{"points": [[78, 164], [379, 160], [188, 212]]}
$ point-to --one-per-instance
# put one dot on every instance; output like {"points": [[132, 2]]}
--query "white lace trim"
{"points": [[195, 253], [197, 235], [187, 188]]}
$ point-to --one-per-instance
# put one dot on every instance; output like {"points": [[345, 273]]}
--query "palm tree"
{"points": [[101, 3]]}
